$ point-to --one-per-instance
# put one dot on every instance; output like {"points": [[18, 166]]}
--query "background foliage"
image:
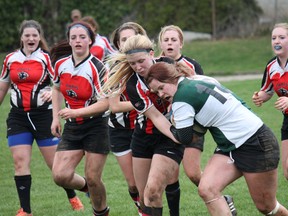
{"points": [[233, 17]]}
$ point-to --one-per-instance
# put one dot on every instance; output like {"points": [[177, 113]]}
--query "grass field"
{"points": [[48, 199], [225, 58]]}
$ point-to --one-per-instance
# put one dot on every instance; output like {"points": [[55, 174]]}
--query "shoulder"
{"points": [[272, 61]]}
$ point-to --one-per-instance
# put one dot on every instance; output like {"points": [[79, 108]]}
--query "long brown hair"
{"points": [[168, 73]]}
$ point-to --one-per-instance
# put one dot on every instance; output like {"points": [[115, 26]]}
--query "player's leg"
{"points": [[94, 165], [47, 148], [191, 164], [219, 172], [21, 150], [263, 187]]}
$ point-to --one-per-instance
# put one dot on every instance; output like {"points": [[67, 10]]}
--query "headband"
{"points": [[82, 26], [137, 50]]}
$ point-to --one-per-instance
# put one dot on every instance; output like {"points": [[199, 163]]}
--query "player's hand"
{"points": [[47, 96], [257, 99], [67, 113], [56, 128], [281, 103]]}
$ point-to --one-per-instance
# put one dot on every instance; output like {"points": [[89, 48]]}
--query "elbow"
{"points": [[185, 136]]}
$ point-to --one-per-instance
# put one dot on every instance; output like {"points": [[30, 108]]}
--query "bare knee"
{"points": [[266, 209], [21, 165], [93, 181], [62, 178], [207, 192], [152, 193], [194, 178]]}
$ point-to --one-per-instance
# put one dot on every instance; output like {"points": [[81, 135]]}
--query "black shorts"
{"points": [[91, 136], [38, 123], [146, 145], [284, 128], [260, 153], [120, 139]]}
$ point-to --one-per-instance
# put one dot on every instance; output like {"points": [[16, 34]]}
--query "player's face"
{"points": [[79, 41], [30, 39], [171, 44], [279, 41], [164, 90], [124, 35], [140, 62]]}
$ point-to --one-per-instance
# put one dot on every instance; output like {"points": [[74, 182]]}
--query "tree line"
{"points": [[232, 18]]}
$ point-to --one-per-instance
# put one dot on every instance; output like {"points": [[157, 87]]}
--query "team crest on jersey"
{"points": [[283, 91], [71, 93], [23, 75]]}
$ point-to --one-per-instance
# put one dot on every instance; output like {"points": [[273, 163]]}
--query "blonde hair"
{"points": [[281, 25], [169, 28], [121, 70]]}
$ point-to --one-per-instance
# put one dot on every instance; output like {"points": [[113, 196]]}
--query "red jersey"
{"points": [[81, 85], [29, 78], [101, 47], [275, 79]]}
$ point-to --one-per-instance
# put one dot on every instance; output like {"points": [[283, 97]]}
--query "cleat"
{"points": [[229, 200], [76, 204], [21, 212]]}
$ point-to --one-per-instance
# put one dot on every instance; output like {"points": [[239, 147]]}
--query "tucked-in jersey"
{"points": [[81, 85], [214, 107], [29, 78], [275, 79], [101, 47], [192, 64]]}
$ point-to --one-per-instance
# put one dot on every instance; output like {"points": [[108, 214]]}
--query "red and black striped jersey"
{"points": [[192, 63], [81, 85], [123, 120], [142, 99], [29, 78]]}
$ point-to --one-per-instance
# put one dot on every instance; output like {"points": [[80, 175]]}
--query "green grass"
{"points": [[217, 57], [48, 199], [231, 56]]}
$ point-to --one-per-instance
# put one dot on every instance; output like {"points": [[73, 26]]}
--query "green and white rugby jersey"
{"points": [[229, 121]]}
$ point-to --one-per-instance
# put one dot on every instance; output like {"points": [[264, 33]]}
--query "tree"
{"points": [[234, 17]]}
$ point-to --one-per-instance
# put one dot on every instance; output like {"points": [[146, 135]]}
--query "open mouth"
{"points": [[170, 49], [31, 44], [277, 47]]}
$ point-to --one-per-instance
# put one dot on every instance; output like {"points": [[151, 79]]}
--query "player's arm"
{"points": [[188, 134], [4, 86]]}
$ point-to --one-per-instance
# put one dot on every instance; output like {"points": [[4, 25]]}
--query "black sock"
{"points": [[23, 185], [104, 212], [173, 198], [85, 188], [147, 210], [70, 193], [135, 197], [157, 211]]}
